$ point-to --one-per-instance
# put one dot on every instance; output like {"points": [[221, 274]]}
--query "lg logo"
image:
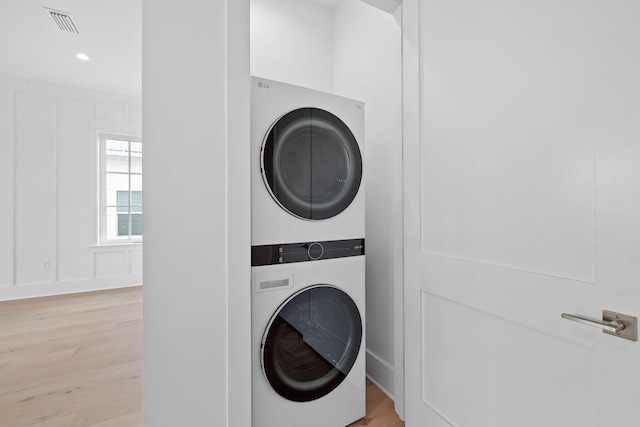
{"points": [[263, 85]]}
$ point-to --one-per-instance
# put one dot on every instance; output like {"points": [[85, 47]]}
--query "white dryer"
{"points": [[306, 162], [308, 338]]}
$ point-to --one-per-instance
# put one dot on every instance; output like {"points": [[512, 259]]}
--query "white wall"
{"points": [[367, 66], [292, 42], [48, 190], [196, 199], [353, 51]]}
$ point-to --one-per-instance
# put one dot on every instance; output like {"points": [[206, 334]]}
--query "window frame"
{"points": [[103, 239]]}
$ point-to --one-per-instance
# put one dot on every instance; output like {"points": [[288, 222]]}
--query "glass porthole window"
{"points": [[311, 164], [311, 343]]}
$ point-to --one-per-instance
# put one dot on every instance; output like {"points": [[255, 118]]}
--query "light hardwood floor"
{"points": [[72, 361], [76, 361], [380, 412]]}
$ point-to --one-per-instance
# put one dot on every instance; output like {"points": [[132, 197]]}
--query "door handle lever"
{"points": [[616, 324], [613, 326]]}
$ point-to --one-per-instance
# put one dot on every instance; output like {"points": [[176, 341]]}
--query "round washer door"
{"points": [[311, 343], [311, 164]]}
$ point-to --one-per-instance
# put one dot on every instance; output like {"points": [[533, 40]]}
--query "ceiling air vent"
{"points": [[64, 21]]}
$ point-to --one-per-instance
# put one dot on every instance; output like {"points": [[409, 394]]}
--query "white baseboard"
{"points": [[68, 287], [380, 372]]}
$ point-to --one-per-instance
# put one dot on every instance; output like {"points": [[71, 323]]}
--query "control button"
{"points": [[315, 251]]}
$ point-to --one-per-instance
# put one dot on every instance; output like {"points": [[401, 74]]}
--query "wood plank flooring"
{"points": [[380, 412], [72, 361], [76, 361]]}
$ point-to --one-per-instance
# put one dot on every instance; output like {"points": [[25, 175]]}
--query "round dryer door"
{"points": [[311, 164], [311, 343]]}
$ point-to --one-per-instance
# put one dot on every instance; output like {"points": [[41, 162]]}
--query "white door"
{"points": [[522, 201]]}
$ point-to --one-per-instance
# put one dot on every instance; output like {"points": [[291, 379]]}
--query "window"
{"points": [[121, 189]]}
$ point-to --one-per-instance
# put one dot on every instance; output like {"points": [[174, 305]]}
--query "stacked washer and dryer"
{"points": [[308, 263]]}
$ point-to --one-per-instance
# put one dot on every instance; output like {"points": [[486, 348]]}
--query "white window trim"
{"points": [[102, 193]]}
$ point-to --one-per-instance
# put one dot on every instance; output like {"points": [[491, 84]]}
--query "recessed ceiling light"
{"points": [[82, 56]]}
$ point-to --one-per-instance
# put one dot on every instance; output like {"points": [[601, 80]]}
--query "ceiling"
{"points": [[33, 47], [329, 4]]}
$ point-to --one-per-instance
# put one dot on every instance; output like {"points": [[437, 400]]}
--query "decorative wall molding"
{"points": [[68, 287], [48, 231], [381, 373]]}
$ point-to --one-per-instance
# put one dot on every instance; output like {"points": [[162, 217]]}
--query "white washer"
{"points": [[308, 343], [306, 161]]}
